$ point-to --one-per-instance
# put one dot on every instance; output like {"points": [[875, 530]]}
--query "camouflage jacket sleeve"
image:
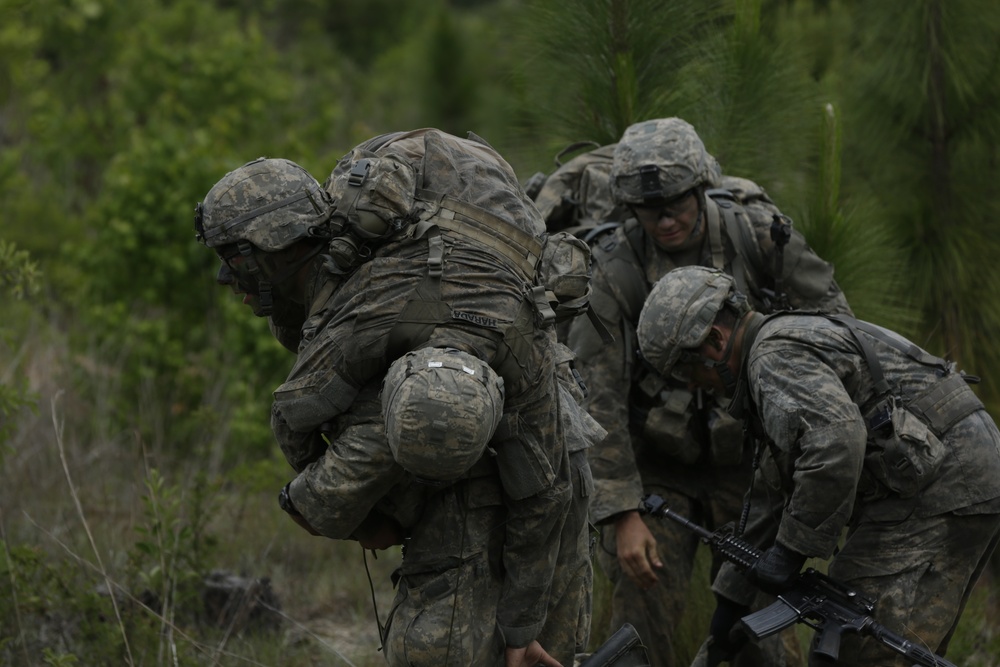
{"points": [[337, 491], [530, 557], [807, 279], [817, 438], [607, 372]]}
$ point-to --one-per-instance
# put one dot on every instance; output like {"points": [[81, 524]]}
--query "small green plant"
{"points": [[170, 557], [19, 277], [50, 608]]}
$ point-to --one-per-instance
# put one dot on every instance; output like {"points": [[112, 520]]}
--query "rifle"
{"points": [[814, 599], [623, 649]]}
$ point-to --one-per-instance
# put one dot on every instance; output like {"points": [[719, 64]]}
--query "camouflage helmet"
{"points": [[679, 313], [441, 406], [269, 202], [659, 160]]}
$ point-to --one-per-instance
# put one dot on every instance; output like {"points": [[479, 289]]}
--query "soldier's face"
{"points": [[229, 276], [700, 370], [707, 379], [670, 225]]}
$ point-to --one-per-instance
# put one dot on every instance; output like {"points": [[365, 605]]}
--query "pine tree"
{"points": [[923, 129], [594, 68]]}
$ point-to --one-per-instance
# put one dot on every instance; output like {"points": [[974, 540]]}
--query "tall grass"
{"points": [[106, 541]]}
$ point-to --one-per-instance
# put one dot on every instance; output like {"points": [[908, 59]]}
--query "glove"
{"points": [[776, 569], [726, 634]]}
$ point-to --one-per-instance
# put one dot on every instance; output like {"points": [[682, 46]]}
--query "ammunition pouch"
{"points": [[945, 403], [904, 446], [903, 454], [666, 428], [725, 435]]}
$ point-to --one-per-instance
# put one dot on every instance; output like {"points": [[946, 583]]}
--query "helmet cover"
{"points": [[658, 160], [441, 407], [679, 312], [269, 202]]}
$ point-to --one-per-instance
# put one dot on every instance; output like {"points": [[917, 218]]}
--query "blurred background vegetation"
{"points": [[135, 451]]}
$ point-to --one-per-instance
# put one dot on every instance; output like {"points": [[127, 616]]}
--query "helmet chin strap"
{"points": [[721, 367], [265, 291]]}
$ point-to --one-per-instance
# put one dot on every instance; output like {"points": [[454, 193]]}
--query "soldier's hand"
{"points": [[725, 633], [637, 553], [378, 532], [777, 568], [529, 656]]}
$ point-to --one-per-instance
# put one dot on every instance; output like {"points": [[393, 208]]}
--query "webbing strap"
{"points": [[896, 342], [882, 387], [723, 211], [715, 234], [541, 300], [518, 246]]}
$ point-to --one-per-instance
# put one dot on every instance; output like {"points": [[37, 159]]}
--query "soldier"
{"points": [[662, 437], [859, 429], [423, 406]]}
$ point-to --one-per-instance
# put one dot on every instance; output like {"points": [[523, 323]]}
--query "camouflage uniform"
{"points": [[479, 570], [918, 549], [662, 438], [452, 577]]}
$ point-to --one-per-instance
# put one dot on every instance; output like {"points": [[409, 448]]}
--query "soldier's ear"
{"points": [[715, 339]]}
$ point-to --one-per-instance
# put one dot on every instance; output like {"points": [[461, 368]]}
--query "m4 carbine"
{"points": [[822, 603]]}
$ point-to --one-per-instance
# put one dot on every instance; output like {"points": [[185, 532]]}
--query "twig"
{"points": [[13, 591], [58, 425], [115, 587]]}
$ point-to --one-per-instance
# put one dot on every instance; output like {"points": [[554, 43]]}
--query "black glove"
{"points": [[776, 569], [728, 636]]}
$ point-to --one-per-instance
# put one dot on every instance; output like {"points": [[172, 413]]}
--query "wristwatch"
{"points": [[285, 502]]}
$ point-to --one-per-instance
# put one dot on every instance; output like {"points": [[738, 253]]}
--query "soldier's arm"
{"points": [[818, 435], [338, 492], [606, 371]]}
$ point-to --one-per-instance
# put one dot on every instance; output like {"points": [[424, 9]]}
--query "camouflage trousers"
{"points": [[450, 582], [567, 622], [656, 614], [444, 613], [921, 571]]}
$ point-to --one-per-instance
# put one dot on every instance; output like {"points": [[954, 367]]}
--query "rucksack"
{"points": [[576, 197], [425, 179]]}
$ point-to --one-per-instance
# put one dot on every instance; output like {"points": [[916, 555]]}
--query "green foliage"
{"points": [[920, 99], [19, 275], [19, 278], [171, 556], [753, 105], [868, 264], [593, 71], [52, 608]]}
